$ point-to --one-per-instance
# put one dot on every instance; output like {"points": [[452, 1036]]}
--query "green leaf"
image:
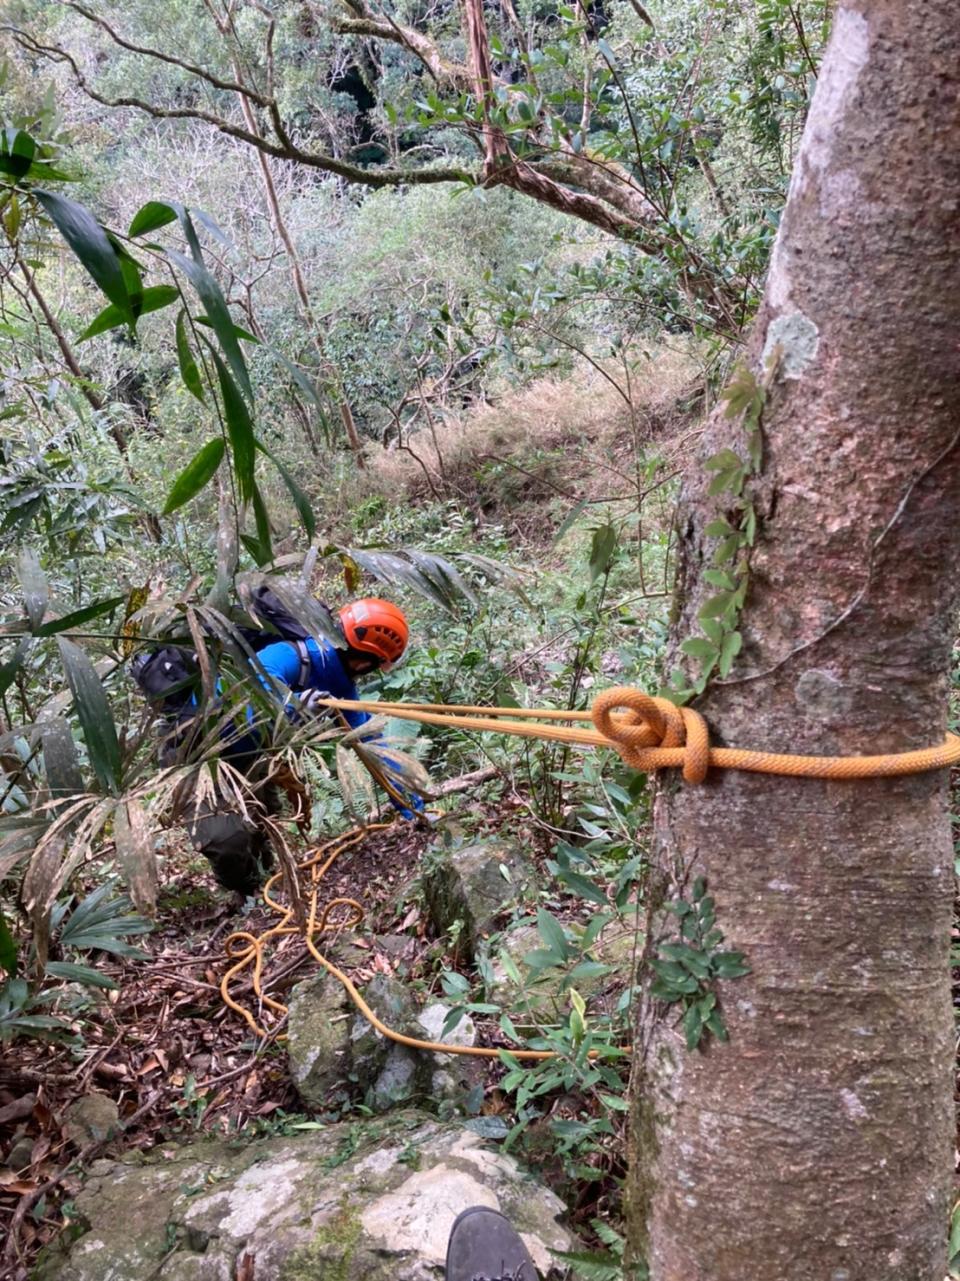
{"points": [[699, 647], [729, 965], [79, 616], [218, 314], [60, 764], [9, 669], [91, 244], [693, 1027], [602, 548], [719, 529], [732, 644], [727, 549], [716, 606], [93, 712], [583, 886], [151, 216], [542, 958], [151, 299], [8, 948], [33, 583], [188, 366], [719, 578], [195, 475], [17, 152], [551, 931], [724, 460], [238, 330], [239, 429], [73, 973], [264, 533], [739, 392], [300, 499], [570, 518]]}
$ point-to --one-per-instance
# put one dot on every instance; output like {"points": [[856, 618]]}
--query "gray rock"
{"points": [[318, 1041], [342, 1203], [466, 889], [92, 1119], [398, 1081]]}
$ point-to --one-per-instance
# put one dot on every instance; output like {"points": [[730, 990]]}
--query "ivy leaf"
{"points": [[739, 392], [732, 644], [195, 475], [699, 647]]}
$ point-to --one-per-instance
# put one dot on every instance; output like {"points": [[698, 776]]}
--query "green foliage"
{"points": [[687, 970]]}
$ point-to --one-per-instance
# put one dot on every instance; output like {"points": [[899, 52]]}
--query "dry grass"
{"points": [[558, 438]]}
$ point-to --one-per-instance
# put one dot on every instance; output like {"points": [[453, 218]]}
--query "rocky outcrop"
{"points": [[470, 888], [354, 1201]]}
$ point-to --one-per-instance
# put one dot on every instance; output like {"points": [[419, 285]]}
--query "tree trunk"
{"points": [[816, 1144]]}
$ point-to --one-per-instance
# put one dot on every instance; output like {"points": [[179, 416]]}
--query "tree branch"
{"points": [[453, 74], [231, 86]]}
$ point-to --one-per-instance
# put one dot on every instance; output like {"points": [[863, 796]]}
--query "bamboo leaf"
{"points": [[9, 669], [138, 859], [152, 299], [239, 429], [79, 616], [8, 948], [91, 244], [300, 499], [217, 312], [70, 972], [188, 366], [264, 533], [198, 471], [33, 582], [151, 216], [93, 712], [60, 764]]}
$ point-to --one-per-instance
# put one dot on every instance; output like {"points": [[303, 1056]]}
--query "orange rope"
{"points": [[649, 733], [247, 950], [654, 734]]}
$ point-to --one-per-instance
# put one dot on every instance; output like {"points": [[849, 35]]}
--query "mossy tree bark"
{"points": [[816, 1144]]}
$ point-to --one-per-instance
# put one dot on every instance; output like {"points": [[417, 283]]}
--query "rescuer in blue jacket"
{"points": [[376, 633]]}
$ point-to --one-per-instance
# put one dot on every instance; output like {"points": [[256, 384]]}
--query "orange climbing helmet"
{"points": [[375, 627]]}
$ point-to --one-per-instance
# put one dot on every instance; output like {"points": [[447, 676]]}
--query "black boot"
{"points": [[484, 1246]]}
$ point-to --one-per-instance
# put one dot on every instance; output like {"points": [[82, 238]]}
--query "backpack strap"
{"points": [[305, 665]]}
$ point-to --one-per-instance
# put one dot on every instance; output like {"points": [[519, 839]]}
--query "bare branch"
{"points": [[230, 85], [454, 74]]}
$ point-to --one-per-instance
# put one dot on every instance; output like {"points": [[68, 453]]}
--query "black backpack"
{"points": [[169, 676]]}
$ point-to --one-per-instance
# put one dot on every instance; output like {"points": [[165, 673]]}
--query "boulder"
{"points": [[92, 1119], [467, 889], [355, 1201], [318, 1038]]}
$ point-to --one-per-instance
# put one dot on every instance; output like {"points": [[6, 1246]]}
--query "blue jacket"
{"points": [[327, 674]]}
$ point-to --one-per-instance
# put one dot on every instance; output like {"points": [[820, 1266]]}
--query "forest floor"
{"points": [[176, 1061]]}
